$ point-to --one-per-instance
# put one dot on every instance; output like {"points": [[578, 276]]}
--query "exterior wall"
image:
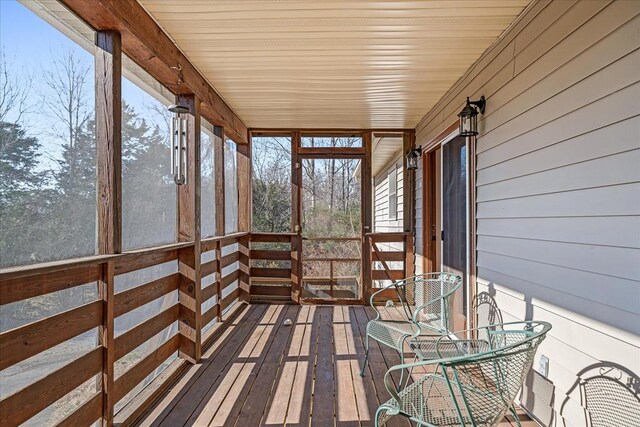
{"points": [[558, 188], [381, 221]]}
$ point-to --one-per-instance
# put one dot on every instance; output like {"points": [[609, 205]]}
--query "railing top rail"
{"points": [[49, 267], [225, 237], [12, 273], [272, 234], [337, 239]]}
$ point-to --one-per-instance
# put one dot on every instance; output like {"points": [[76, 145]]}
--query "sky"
{"points": [[28, 44]]}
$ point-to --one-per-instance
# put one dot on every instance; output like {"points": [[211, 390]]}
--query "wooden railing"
{"points": [[32, 339], [390, 248], [276, 282], [188, 320]]}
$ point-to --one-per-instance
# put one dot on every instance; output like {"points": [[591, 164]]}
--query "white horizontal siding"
{"points": [[381, 221], [558, 184]]}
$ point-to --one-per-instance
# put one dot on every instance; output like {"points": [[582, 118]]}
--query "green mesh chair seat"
{"points": [[426, 304], [477, 388], [445, 347], [392, 333], [440, 412]]}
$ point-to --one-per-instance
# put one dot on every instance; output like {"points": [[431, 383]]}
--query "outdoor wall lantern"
{"points": [[469, 116], [179, 143], [412, 158]]}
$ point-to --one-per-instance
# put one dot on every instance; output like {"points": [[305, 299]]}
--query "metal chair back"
{"points": [[427, 298], [485, 385]]}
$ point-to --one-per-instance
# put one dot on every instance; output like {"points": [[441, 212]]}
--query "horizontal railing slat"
{"points": [[143, 258], [271, 255], [262, 290], [137, 335], [388, 237], [229, 259], [226, 301], [85, 415], [24, 404], [209, 292], [282, 273], [382, 274], [139, 372], [209, 268], [211, 243], [21, 343], [388, 256], [140, 295], [230, 278], [271, 238], [18, 289], [13, 273], [210, 314]]}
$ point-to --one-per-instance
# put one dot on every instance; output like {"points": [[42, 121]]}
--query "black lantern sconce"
{"points": [[412, 158], [469, 116], [179, 143]]}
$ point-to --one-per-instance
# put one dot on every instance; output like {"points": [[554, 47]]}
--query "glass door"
{"points": [[331, 229], [455, 222]]}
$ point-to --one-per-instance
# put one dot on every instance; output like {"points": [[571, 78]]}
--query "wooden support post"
{"points": [[244, 186], [296, 218], [189, 292], [108, 69], [367, 213], [244, 216], [218, 172], [408, 202]]}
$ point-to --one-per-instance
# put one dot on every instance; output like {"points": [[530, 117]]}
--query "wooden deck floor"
{"points": [[261, 372]]}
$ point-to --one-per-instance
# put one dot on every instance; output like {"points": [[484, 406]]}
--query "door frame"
{"points": [[300, 153], [430, 214]]}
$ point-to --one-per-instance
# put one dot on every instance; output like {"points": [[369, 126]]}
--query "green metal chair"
{"points": [[426, 302], [476, 389]]}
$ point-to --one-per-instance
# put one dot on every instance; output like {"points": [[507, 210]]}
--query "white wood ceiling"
{"points": [[333, 63]]}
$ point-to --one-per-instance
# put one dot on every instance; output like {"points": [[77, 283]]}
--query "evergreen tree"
{"points": [[148, 193], [21, 185]]}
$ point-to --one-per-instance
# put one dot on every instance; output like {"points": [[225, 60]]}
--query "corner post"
{"points": [[296, 218], [189, 265], [108, 80], [218, 173], [244, 215], [367, 214]]}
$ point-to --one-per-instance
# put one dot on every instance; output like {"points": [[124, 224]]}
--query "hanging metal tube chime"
{"points": [[179, 143]]}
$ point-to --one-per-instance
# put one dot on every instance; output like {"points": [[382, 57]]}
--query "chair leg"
{"points": [[366, 356], [515, 415], [377, 423], [410, 372], [402, 363]]}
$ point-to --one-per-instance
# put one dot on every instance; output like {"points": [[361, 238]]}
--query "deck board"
{"points": [[261, 372]]}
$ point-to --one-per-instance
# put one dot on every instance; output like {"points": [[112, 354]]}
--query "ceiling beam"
{"points": [[147, 44]]}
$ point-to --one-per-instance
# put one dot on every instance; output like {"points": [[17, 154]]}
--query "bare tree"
{"points": [[14, 93], [66, 101]]}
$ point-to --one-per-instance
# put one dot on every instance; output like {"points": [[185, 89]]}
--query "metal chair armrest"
{"points": [[378, 315]]}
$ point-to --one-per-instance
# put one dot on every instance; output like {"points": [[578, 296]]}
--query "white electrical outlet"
{"points": [[543, 366]]}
